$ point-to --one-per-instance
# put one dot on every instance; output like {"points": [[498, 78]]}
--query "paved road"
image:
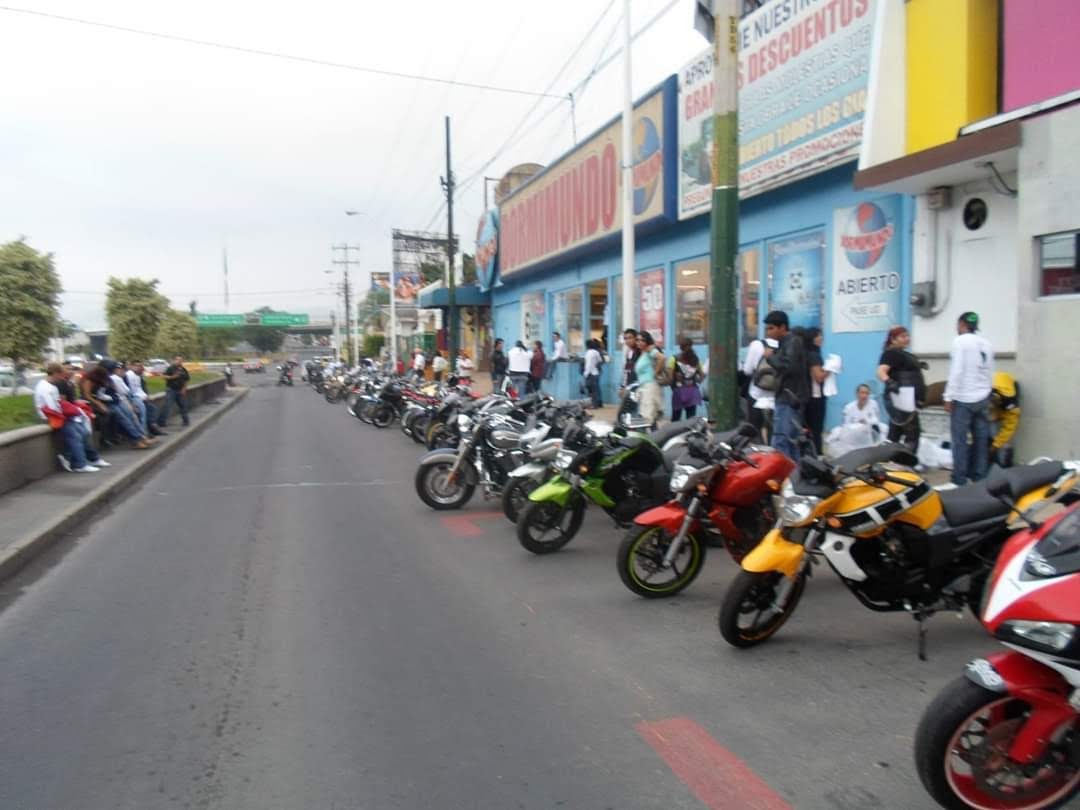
{"points": [[275, 621]]}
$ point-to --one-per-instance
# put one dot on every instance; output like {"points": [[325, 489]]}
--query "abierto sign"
{"points": [[578, 200]]}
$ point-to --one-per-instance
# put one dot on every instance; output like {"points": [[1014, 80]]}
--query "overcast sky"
{"points": [[128, 155]]}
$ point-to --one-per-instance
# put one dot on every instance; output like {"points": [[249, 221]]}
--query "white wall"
{"points": [[1048, 354]]}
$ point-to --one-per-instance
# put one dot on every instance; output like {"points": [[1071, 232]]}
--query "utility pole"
{"points": [[448, 184], [225, 272], [350, 334], [724, 219], [627, 179]]}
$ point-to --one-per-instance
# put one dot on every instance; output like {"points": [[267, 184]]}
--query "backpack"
{"points": [[765, 376]]}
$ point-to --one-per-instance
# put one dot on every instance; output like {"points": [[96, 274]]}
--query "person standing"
{"points": [[498, 365], [518, 361], [438, 366], [419, 363], [631, 353], [792, 383], [686, 378], [465, 367], [176, 381], [537, 366], [815, 405], [69, 421], [757, 416], [967, 399], [647, 369], [558, 352], [898, 368], [590, 372]]}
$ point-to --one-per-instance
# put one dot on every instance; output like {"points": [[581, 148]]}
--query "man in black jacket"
{"points": [[792, 385], [498, 364]]}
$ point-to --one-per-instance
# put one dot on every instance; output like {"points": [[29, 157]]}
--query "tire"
{"points": [[515, 495], [642, 551], [432, 426], [382, 416], [754, 591], [533, 524], [438, 493], [440, 436], [949, 716], [419, 428]]}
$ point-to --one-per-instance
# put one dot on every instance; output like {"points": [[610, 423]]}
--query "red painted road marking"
{"points": [[465, 525], [719, 779]]}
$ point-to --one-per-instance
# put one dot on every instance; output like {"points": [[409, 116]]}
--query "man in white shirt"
{"points": [[68, 419], [967, 399], [518, 360], [591, 372], [419, 363], [140, 400], [558, 352]]}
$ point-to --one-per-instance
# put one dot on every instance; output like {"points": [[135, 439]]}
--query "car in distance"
{"points": [[254, 365]]}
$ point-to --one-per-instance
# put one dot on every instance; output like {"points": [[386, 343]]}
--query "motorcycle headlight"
{"points": [[793, 509], [680, 477], [464, 422], [1051, 637], [563, 459]]}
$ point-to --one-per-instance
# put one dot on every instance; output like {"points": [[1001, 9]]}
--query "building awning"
{"points": [[950, 164], [465, 295]]}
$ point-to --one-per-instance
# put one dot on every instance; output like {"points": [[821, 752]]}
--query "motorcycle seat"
{"points": [[661, 435], [970, 504], [1023, 479], [878, 454]]}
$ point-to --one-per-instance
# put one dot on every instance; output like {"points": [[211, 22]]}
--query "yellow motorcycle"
{"points": [[895, 542]]}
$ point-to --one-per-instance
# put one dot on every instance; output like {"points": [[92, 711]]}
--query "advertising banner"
{"points": [[866, 272], [532, 317], [407, 284], [795, 277], [487, 249], [695, 136], [577, 200], [650, 303], [380, 280]]}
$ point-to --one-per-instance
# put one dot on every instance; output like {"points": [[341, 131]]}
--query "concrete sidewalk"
{"points": [[36, 515]]}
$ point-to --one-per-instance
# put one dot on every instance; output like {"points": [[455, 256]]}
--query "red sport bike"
{"points": [[1006, 734], [723, 497]]}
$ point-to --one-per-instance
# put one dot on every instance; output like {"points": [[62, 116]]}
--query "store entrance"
{"points": [[598, 301]]}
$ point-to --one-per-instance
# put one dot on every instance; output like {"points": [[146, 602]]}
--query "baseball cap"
{"points": [[971, 319]]}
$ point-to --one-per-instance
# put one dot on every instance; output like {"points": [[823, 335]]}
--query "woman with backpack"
{"points": [[685, 372], [760, 385]]}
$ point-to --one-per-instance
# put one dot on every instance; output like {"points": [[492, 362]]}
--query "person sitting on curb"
{"points": [[98, 390], [71, 421], [141, 400]]}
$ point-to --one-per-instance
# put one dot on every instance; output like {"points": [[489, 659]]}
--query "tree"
{"points": [[431, 271], [468, 269], [178, 334], [215, 342], [29, 296], [373, 345], [264, 338], [135, 310]]}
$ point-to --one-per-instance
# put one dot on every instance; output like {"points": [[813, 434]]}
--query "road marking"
{"points": [[378, 482], [465, 525], [719, 779]]}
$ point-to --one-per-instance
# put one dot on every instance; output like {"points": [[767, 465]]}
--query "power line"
{"points": [[278, 54], [168, 294]]}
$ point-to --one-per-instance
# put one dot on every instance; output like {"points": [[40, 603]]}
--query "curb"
{"points": [[23, 551]]}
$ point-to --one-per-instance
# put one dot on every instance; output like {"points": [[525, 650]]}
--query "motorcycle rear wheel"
{"points": [[382, 416], [966, 728], [435, 488], [544, 527], [418, 428], [753, 593], [641, 554], [515, 495]]}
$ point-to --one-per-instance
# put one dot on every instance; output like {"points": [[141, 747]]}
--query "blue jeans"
{"points": [[787, 427], [172, 396], [77, 446], [970, 417], [592, 386], [125, 422]]}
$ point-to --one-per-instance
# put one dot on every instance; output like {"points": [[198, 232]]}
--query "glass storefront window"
{"points": [[692, 300], [1059, 273], [532, 317], [749, 294], [575, 333]]}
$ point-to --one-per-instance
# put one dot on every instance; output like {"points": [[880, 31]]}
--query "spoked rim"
{"points": [[980, 772], [766, 605], [440, 487], [645, 561]]}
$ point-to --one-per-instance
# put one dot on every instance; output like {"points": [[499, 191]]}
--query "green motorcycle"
{"points": [[623, 472]]}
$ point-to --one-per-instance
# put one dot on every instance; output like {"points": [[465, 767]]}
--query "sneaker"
{"points": [[64, 462], [87, 468], [101, 463]]}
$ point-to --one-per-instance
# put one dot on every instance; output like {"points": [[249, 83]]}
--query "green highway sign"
{"points": [[221, 321], [283, 319]]}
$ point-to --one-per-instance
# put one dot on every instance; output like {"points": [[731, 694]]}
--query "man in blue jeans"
{"points": [[967, 399], [176, 380], [792, 383]]}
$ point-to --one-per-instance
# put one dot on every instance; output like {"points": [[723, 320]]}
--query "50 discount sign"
{"points": [[651, 303]]}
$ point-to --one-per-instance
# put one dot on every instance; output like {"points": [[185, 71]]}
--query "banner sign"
{"points": [[578, 200], [866, 278], [407, 284], [795, 277], [804, 67], [696, 136], [651, 303], [532, 317], [487, 249], [380, 280]]}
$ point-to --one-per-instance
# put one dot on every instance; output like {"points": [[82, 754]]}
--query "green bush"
{"points": [[17, 412]]}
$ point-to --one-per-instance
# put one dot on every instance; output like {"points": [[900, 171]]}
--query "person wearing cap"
{"points": [[967, 399]]}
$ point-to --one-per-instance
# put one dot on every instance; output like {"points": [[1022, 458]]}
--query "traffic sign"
{"points": [[283, 319], [219, 321]]}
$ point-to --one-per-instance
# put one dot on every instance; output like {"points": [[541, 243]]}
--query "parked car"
{"points": [[75, 361], [254, 366], [155, 366]]}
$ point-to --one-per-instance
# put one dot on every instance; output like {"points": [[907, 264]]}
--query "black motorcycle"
{"points": [[285, 375]]}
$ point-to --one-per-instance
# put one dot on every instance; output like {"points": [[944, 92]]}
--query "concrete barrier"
{"points": [[28, 454]]}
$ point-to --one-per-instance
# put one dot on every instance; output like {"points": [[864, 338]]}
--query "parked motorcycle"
{"points": [[722, 496], [895, 542], [623, 472], [1006, 734]]}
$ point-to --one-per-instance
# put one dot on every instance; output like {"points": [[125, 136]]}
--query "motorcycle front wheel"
{"points": [[962, 753], [382, 416], [439, 490], [757, 605], [544, 526], [641, 557], [418, 428], [515, 495]]}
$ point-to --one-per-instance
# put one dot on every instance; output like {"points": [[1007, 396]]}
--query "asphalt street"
{"points": [[274, 620]]}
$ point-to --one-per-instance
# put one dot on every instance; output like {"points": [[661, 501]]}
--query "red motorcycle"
{"points": [[723, 497], [1006, 734]]}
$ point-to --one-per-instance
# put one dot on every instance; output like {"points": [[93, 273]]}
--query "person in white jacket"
{"points": [[967, 399]]}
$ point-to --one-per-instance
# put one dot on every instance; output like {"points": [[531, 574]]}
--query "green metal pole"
{"points": [[451, 328], [724, 222]]}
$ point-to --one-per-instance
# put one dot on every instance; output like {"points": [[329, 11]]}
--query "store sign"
{"points": [[651, 303], [866, 278], [795, 277], [696, 136], [487, 249], [532, 317], [804, 67], [578, 199]]}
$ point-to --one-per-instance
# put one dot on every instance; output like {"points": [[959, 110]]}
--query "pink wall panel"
{"points": [[1042, 50]]}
